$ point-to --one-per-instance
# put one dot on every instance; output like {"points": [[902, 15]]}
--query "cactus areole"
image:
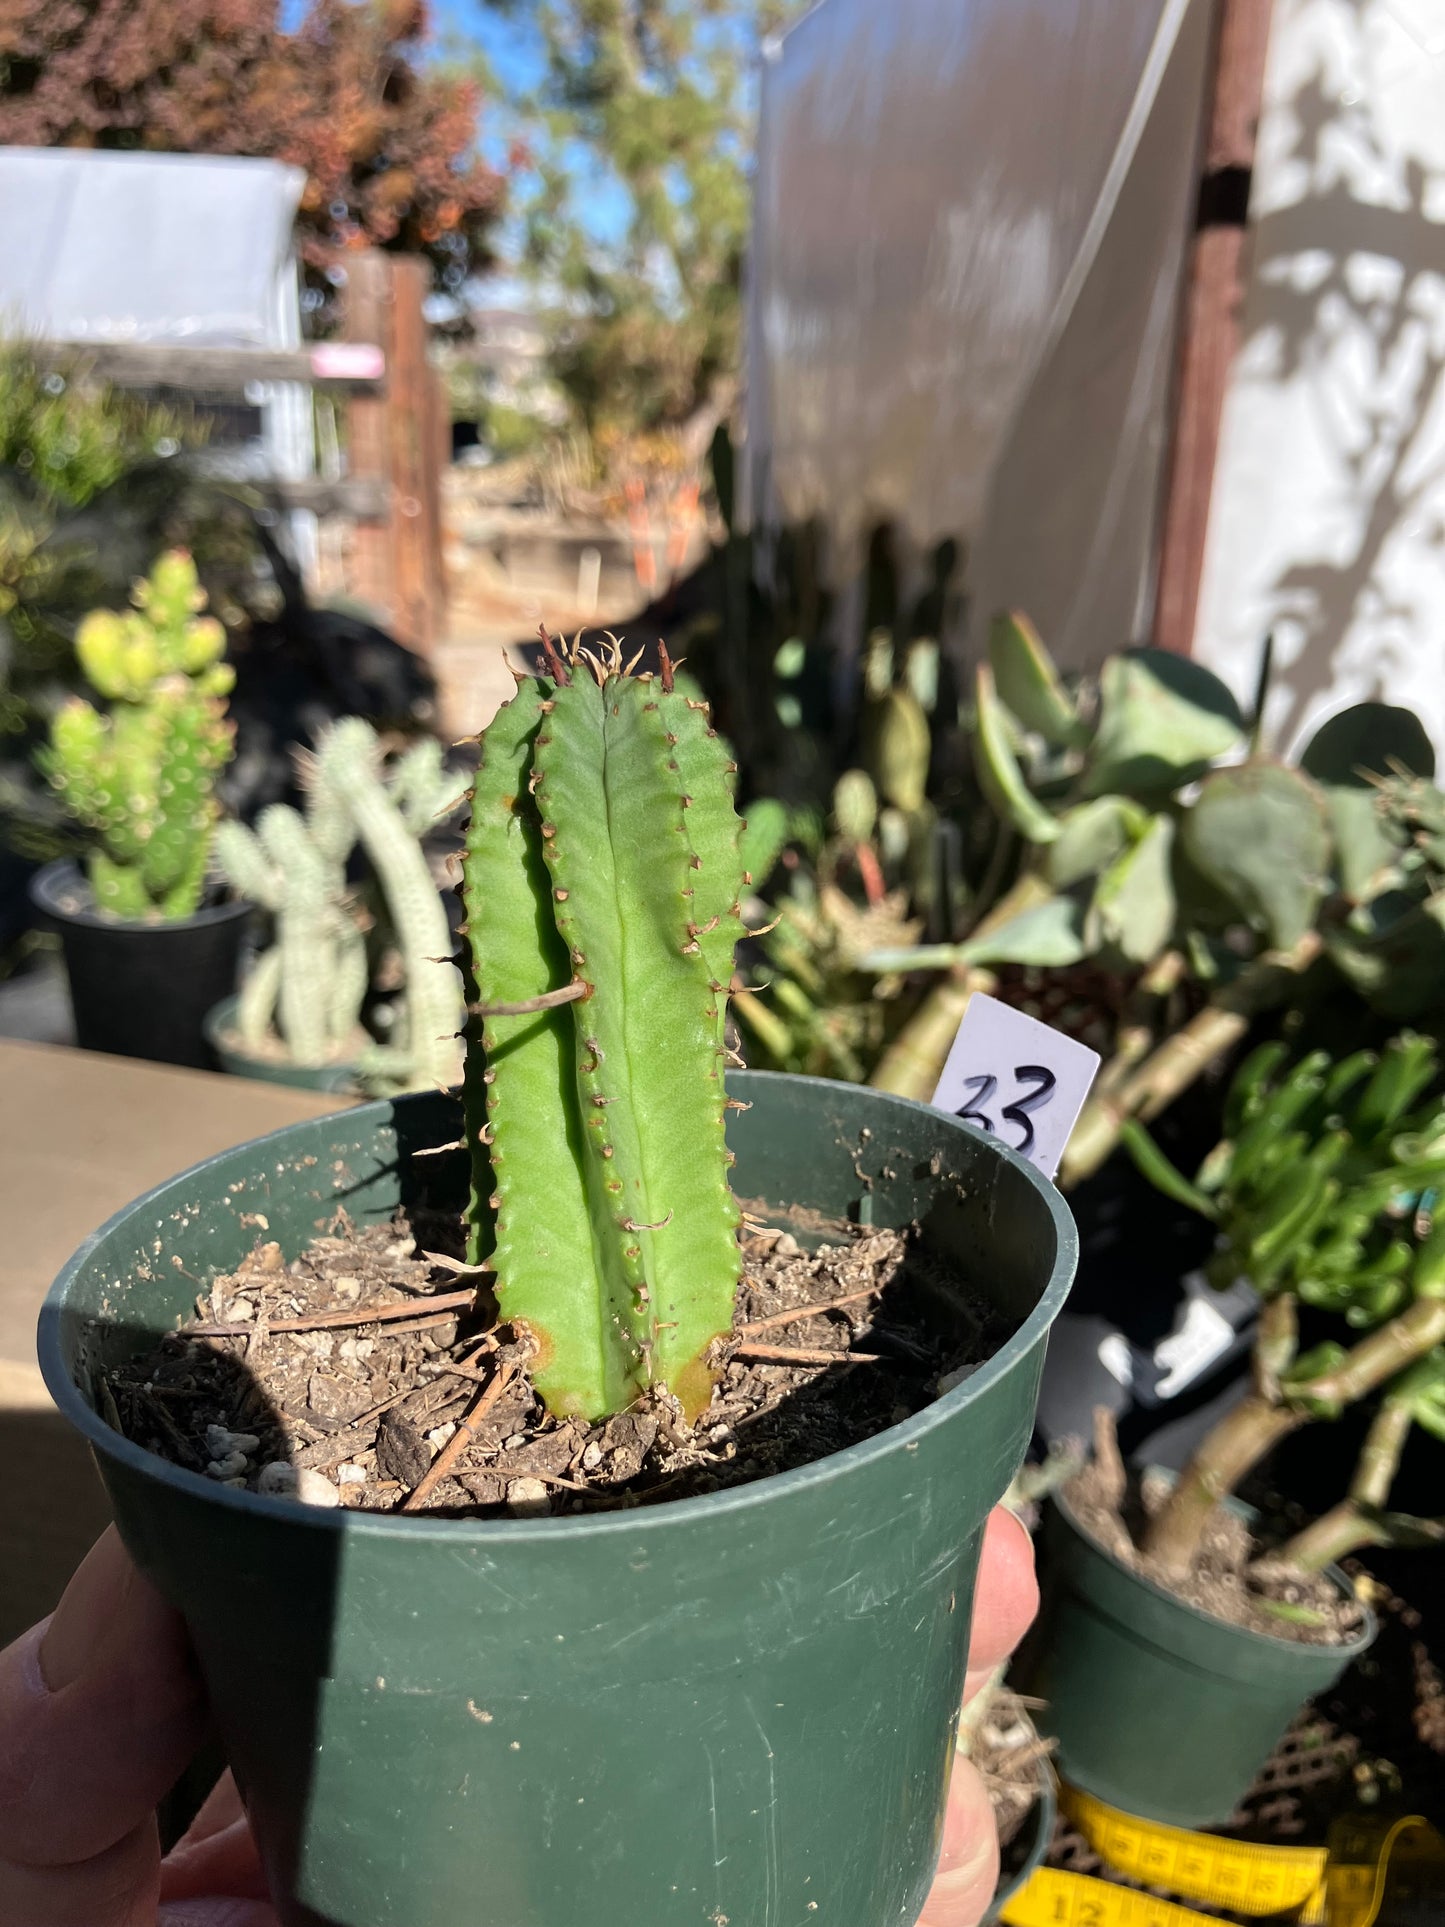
{"points": [[601, 883]]}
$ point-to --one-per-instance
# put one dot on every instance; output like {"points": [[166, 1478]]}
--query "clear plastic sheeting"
{"points": [[969, 232], [193, 249]]}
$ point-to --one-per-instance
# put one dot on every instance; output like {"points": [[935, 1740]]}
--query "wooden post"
{"points": [[416, 490], [1210, 334], [398, 563], [368, 318]]}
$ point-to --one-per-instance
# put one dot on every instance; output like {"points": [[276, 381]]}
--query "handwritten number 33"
{"points": [[979, 1092]]}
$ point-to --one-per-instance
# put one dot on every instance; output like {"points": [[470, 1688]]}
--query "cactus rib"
{"points": [[603, 850]]}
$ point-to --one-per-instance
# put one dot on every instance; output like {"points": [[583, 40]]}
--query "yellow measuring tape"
{"points": [[1347, 1884]]}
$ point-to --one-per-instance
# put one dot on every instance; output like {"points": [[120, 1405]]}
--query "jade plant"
{"points": [[307, 991], [141, 775], [602, 885], [1325, 1192]]}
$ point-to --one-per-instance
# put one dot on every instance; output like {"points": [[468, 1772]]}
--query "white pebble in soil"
{"points": [[221, 1444], [351, 1475], [439, 1436], [314, 1488], [277, 1480], [232, 1466], [527, 1498], [591, 1456]]}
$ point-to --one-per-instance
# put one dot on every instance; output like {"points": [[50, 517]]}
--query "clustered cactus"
{"points": [[311, 985], [1324, 1191], [141, 775], [602, 883]]}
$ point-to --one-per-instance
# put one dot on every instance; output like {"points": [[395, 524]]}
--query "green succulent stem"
{"points": [[603, 851], [140, 774], [1170, 1070]]}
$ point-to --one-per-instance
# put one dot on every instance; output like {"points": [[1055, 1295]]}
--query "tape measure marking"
{"points": [[1217, 1873]]}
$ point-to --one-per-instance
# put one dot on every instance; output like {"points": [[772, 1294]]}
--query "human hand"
{"points": [[101, 1708]]}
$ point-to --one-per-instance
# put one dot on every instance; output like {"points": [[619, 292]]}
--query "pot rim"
{"points": [[54, 875], [904, 1436], [1348, 1649], [214, 1029]]}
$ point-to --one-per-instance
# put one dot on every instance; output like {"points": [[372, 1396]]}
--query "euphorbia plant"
{"points": [[602, 881], [1324, 1192], [141, 775]]}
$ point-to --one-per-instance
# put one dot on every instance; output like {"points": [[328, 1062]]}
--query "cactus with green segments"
{"points": [[1325, 1191], [602, 883], [141, 774]]}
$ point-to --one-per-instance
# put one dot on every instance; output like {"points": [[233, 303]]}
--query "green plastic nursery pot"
{"points": [[734, 1707], [220, 1028], [1155, 1706]]}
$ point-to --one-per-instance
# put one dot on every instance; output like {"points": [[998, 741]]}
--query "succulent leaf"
{"points": [[999, 775], [1029, 685], [1133, 908], [1259, 832], [1162, 721]]}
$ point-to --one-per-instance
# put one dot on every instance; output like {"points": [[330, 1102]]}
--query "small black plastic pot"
{"points": [[739, 1706], [1155, 1706], [220, 1031], [141, 989]]}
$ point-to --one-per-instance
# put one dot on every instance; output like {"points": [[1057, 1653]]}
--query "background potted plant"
{"points": [[724, 1703], [1323, 1195], [148, 945], [298, 1018]]}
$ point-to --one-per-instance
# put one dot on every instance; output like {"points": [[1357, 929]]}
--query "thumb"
{"points": [[968, 1864], [100, 1708]]}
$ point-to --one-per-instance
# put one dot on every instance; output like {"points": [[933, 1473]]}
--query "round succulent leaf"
{"points": [[1368, 739], [1351, 755], [855, 805], [997, 767], [1029, 685], [1092, 836], [1392, 950], [1133, 908], [1259, 833], [1162, 721], [1050, 936]]}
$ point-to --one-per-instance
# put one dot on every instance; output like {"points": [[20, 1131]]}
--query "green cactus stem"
{"points": [[601, 884], [141, 776]]}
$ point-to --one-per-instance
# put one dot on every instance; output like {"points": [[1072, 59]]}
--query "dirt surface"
{"points": [[1225, 1581], [288, 1381]]}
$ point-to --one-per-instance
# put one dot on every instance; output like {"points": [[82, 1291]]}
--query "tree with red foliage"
{"points": [[388, 146]]}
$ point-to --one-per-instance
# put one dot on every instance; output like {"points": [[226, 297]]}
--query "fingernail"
{"points": [[84, 1621]]}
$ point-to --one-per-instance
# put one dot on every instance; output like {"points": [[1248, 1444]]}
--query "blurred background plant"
{"points": [[1113, 853], [140, 774], [1324, 1191], [359, 971]]}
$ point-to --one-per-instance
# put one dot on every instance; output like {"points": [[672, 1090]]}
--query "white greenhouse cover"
{"points": [[184, 248], [968, 232]]}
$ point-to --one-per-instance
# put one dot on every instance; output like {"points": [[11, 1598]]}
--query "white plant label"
{"points": [[1017, 1078]]}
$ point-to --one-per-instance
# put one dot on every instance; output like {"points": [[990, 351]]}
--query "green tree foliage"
{"points": [[635, 196]]}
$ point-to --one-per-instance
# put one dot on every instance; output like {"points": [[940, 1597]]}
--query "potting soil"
{"points": [[288, 1382]]}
